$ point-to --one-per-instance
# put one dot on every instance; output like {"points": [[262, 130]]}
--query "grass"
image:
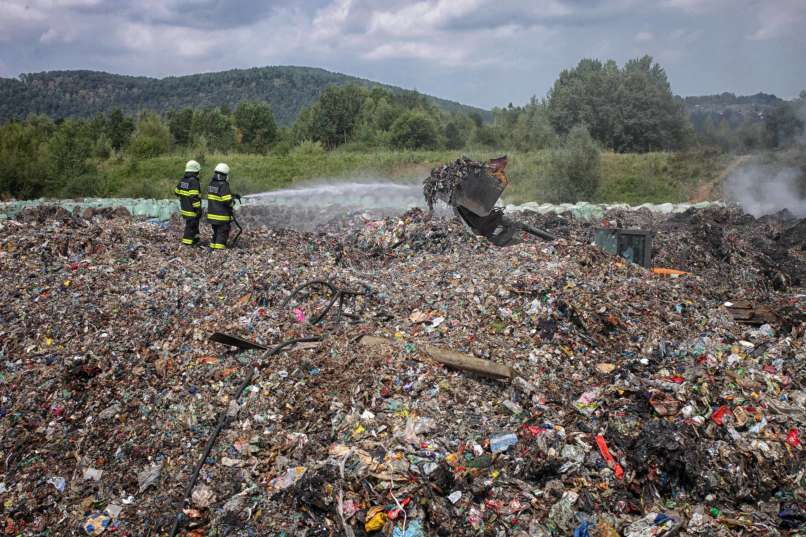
{"points": [[656, 177], [626, 178], [631, 178], [156, 177]]}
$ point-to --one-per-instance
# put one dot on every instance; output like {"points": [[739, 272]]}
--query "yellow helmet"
{"points": [[222, 168], [192, 166]]}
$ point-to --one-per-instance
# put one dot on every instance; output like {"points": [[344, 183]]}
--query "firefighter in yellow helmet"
{"points": [[189, 194], [220, 201]]}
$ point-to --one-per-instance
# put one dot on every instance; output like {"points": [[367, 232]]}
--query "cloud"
{"points": [[19, 19], [413, 50], [144, 38], [643, 37], [692, 5], [684, 35], [782, 18], [484, 52], [421, 18]]}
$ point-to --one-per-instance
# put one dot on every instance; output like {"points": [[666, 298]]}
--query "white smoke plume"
{"points": [[762, 190]]}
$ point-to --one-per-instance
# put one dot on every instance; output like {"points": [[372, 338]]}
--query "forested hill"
{"points": [[85, 93], [730, 107]]}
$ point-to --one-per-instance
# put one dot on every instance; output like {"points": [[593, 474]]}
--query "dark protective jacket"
{"points": [[219, 201], [189, 196]]}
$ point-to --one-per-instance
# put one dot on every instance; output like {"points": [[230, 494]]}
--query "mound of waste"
{"points": [[445, 387]]}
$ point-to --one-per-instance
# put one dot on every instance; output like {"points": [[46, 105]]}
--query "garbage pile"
{"points": [[447, 182], [609, 400], [735, 252]]}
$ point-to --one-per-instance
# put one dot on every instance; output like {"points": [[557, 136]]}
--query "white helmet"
{"points": [[192, 166], [222, 168]]}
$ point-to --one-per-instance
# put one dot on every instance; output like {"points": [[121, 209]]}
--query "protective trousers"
{"points": [[220, 234], [191, 234]]}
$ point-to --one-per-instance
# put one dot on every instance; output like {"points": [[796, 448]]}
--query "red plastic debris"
{"points": [[611, 462], [719, 414], [792, 438], [533, 430], [677, 379]]}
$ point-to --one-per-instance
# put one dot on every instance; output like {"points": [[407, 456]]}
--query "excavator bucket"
{"points": [[482, 187]]}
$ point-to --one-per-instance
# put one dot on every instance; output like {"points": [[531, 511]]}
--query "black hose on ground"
{"points": [[338, 296], [537, 232]]}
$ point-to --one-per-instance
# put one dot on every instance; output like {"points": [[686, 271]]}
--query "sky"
{"points": [[480, 52]]}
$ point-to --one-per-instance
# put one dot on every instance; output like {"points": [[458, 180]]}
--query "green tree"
{"points": [[454, 138], [532, 129], [574, 170], [650, 117], [332, 119], [152, 137], [586, 95], [102, 148], [366, 132], [118, 129], [385, 114], [24, 172], [255, 123], [216, 128], [180, 123], [491, 136], [628, 109], [783, 125], [414, 130], [68, 151]]}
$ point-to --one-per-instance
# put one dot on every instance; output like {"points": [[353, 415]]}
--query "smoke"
{"points": [[767, 189]]}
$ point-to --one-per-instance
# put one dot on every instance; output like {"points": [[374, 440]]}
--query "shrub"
{"points": [[414, 130], [151, 138], [574, 170], [308, 148]]}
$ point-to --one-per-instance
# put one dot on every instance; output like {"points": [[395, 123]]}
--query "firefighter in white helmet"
{"points": [[219, 206], [190, 208]]}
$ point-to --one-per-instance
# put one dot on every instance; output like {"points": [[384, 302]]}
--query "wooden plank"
{"points": [[234, 341], [745, 312], [451, 358]]}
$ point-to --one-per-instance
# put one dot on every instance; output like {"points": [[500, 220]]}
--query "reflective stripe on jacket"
{"points": [[189, 194], [219, 201]]}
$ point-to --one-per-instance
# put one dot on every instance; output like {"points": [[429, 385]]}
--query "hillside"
{"points": [[85, 93], [734, 108]]}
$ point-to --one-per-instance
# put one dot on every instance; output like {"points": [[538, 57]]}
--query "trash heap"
{"points": [[610, 401], [444, 181]]}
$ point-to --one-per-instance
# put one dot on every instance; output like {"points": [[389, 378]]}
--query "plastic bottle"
{"points": [[503, 442]]}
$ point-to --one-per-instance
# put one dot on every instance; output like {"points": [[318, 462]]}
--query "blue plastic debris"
{"points": [[582, 530], [414, 528]]}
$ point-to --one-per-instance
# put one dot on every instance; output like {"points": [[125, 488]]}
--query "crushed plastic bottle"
{"points": [[501, 443]]}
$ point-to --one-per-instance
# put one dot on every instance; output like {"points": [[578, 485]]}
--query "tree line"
{"points": [[592, 107]]}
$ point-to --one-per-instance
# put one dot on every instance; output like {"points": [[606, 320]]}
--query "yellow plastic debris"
{"points": [[376, 519]]}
